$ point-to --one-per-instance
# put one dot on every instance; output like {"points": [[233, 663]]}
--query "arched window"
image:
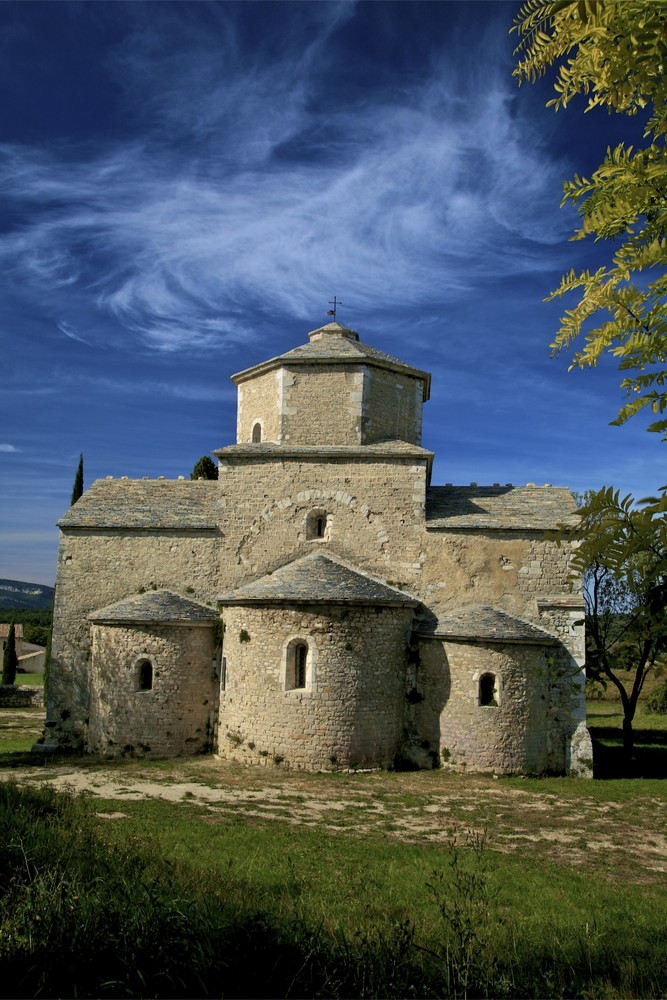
{"points": [[317, 524], [297, 666], [144, 675], [488, 690], [256, 433]]}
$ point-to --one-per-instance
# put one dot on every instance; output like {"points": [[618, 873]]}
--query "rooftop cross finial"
{"points": [[335, 303]]}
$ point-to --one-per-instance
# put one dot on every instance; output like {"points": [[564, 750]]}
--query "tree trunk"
{"points": [[628, 738]]}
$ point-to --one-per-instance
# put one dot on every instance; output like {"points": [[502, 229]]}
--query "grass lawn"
{"points": [[137, 895], [605, 722], [31, 680], [194, 877], [19, 729]]}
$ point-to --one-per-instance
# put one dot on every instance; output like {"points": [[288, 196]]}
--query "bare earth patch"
{"points": [[427, 807]]}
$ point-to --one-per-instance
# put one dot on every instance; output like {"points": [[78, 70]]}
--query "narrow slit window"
{"points": [[257, 433], [297, 666], [300, 657], [317, 524]]}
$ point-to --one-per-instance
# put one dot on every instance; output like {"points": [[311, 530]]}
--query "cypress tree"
{"points": [[77, 489], [10, 660], [205, 469], [47, 654]]}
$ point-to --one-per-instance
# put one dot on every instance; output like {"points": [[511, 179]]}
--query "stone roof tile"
{"points": [[481, 622], [317, 579], [335, 343], [535, 508], [155, 606], [146, 503]]}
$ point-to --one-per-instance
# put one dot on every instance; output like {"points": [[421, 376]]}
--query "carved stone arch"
{"points": [[297, 507]]}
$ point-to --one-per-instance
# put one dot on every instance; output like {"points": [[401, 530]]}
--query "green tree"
{"points": [[614, 53], [622, 552], [77, 489], [10, 660], [205, 468]]}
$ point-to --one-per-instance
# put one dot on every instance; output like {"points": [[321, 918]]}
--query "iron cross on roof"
{"points": [[335, 303]]}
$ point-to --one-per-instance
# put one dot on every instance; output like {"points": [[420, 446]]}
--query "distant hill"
{"points": [[16, 594]]}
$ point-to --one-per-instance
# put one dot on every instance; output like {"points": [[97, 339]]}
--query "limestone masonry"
{"points": [[322, 605]]}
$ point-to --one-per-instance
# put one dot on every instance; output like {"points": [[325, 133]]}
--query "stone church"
{"points": [[321, 605]]}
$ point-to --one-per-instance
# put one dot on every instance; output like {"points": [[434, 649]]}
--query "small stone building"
{"points": [[322, 605]]}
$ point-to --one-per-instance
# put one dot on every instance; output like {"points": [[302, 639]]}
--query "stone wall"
{"points": [[259, 400], [563, 616], [331, 405], [392, 407], [509, 570], [322, 407], [376, 511], [532, 727], [175, 716], [350, 714], [97, 568], [21, 696]]}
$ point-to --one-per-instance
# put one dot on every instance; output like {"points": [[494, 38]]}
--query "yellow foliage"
{"points": [[614, 53]]}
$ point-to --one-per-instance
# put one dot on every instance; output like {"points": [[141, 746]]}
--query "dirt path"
{"points": [[617, 838]]}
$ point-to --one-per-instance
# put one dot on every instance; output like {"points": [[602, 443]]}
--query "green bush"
{"points": [[657, 700]]}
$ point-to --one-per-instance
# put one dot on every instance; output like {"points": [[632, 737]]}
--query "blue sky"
{"points": [[185, 186]]}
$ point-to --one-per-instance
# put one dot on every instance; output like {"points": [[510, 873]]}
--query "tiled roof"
{"points": [[4, 630], [479, 621], [317, 579], [332, 347], [537, 508], [336, 343], [146, 503], [155, 606]]}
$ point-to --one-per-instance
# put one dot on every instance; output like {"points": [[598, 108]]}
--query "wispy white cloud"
{"points": [[10, 448], [229, 203], [69, 332]]}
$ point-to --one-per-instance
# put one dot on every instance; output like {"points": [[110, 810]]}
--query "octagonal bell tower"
{"points": [[332, 391]]}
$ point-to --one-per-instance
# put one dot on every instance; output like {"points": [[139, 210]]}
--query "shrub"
{"points": [[657, 700]]}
